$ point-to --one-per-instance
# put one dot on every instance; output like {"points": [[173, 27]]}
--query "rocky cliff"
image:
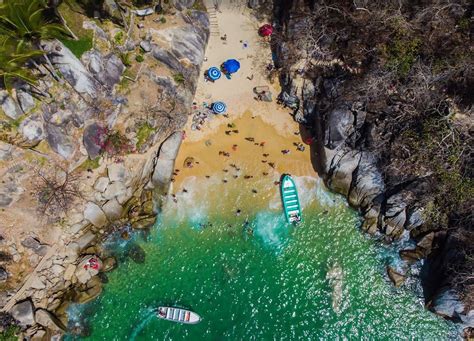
{"points": [[390, 130], [83, 154]]}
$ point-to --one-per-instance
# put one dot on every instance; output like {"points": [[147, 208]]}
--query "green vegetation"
{"points": [[199, 6], [126, 58], [10, 333], [402, 54], [179, 78], [139, 58], [119, 38], [23, 25], [78, 47], [89, 164], [163, 20], [144, 132]]}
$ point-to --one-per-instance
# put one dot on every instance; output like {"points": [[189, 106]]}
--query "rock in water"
{"points": [[23, 312], [397, 278], [137, 254], [335, 276]]}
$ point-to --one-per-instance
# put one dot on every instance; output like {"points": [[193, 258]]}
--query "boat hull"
{"points": [[177, 315], [290, 200]]}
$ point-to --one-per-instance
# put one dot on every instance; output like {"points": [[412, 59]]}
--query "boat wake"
{"points": [[150, 314]]}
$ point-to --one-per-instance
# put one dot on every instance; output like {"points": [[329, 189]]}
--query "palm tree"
{"points": [[25, 23], [12, 67]]}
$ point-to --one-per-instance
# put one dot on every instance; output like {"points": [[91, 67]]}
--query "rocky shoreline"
{"points": [[346, 156], [116, 188]]}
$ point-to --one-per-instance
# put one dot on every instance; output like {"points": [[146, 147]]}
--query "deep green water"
{"points": [[269, 286]]}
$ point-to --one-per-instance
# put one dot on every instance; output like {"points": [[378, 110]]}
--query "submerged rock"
{"points": [[137, 254], [335, 276]]}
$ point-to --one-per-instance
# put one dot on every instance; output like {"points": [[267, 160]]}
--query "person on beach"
{"points": [[285, 151], [271, 164], [234, 147], [262, 144], [265, 155]]}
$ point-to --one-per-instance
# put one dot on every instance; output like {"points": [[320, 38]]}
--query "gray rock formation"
{"points": [[35, 245], [93, 133], [23, 312], [25, 100], [183, 4], [165, 164], [59, 140], [95, 215], [9, 106], [107, 70], [72, 69], [3, 274], [48, 320], [32, 128]]}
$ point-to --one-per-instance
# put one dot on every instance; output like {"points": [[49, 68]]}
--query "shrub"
{"points": [[139, 58], [125, 57], [119, 38], [56, 190], [144, 132], [113, 143], [179, 78]]}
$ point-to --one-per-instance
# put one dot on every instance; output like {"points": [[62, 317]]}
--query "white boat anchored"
{"points": [[178, 315]]}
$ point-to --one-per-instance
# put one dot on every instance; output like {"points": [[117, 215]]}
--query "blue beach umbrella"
{"points": [[219, 107], [231, 65], [213, 73]]}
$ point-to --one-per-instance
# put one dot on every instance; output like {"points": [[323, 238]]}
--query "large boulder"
{"points": [[183, 4], [23, 312], [48, 320], [35, 245], [72, 69], [106, 69], [396, 277], [60, 141], [165, 163], [367, 183], [95, 215], [340, 123], [32, 129], [9, 106], [25, 100], [93, 137]]}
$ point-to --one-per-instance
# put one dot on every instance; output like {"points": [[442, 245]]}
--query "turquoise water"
{"points": [[269, 285]]}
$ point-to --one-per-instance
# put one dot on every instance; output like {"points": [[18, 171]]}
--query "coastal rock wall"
{"points": [[112, 139], [349, 153]]}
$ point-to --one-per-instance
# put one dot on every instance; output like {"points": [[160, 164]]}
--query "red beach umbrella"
{"points": [[266, 30]]}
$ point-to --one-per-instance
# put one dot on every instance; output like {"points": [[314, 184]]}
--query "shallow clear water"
{"points": [[269, 285]]}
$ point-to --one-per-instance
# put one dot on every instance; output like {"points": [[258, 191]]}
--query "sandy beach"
{"points": [[248, 142]]}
